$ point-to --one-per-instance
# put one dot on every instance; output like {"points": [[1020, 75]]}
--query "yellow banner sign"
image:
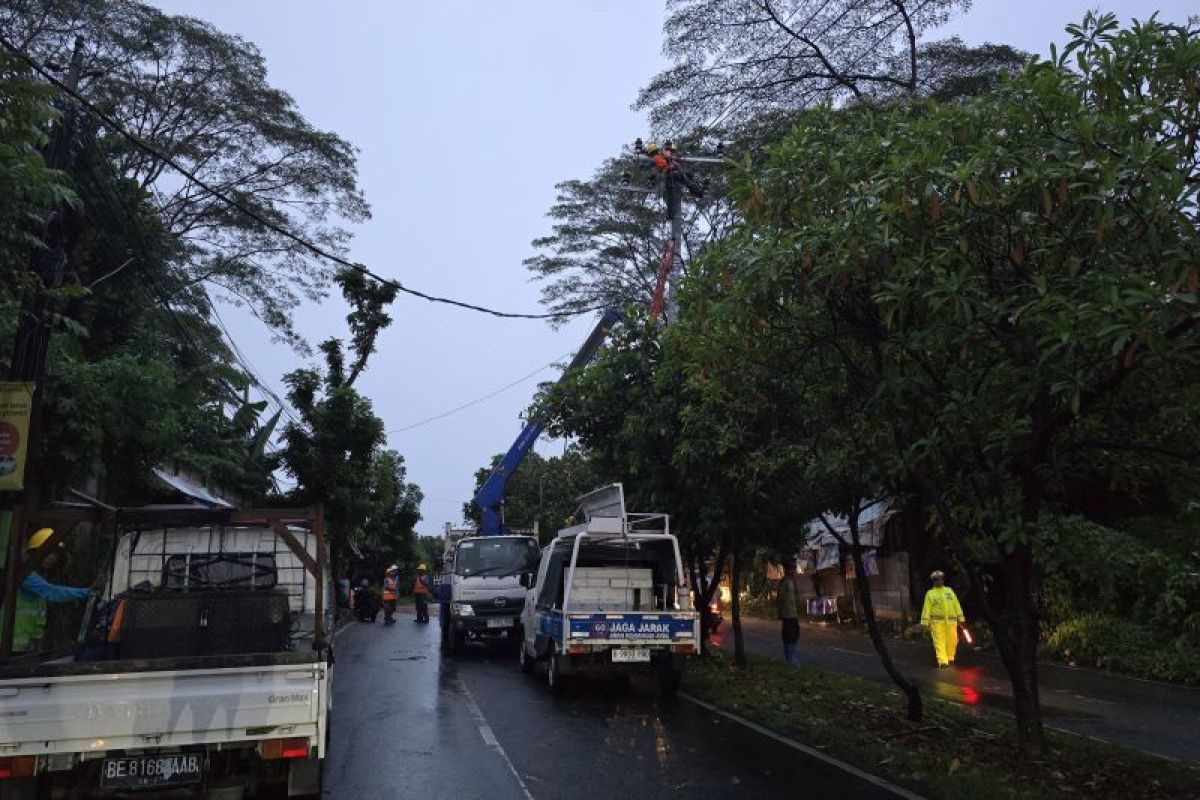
{"points": [[16, 402]]}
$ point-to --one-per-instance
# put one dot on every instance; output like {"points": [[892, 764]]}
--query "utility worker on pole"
{"points": [[391, 592], [422, 590], [942, 615], [35, 592]]}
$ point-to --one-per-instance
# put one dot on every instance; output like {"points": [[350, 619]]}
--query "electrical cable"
{"points": [[116, 127], [480, 399]]}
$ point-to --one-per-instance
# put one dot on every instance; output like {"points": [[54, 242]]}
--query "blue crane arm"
{"points": [[490, 497]]}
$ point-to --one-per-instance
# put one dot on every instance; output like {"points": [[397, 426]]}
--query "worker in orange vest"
{"points": [[422, 590], [391, 592]]}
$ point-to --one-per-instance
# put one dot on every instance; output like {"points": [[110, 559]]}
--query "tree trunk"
{"points": [[1017, 641], [916, 709], [735, 585], [1014, 626]]}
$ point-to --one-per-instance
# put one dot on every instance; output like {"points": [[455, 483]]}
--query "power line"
{"points": [[116, 127], [479, 400]]}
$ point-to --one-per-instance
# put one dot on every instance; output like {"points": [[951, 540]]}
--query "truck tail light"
{"points": [[292, 747], [18, 767], [576, 649], [684, 649]]}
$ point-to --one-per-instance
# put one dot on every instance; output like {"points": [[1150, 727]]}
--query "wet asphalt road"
{"points": [[409, 722]]}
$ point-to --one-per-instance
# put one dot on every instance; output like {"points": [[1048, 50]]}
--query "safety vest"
{"points": [[420, 586], [941, 605], [30, 622], [390, 586]]}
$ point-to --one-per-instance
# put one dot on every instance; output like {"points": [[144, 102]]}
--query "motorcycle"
{"points": [[366, 604]]}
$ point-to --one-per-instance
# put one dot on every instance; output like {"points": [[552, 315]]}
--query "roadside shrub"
{"points": [[1108, 642]]}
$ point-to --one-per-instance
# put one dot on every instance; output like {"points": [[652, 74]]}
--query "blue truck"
{"points": [[610, 597]]}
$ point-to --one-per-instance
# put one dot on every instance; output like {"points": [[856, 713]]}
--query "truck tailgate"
{"points": [[100, 712], [633, 627]]}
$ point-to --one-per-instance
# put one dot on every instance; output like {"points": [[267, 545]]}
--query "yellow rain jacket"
{"points": [[941, 605]]}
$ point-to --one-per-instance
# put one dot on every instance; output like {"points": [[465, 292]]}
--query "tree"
{"points": [[202, 97], [28, 189], [1004, 285], [542, 490], [335, 452], [735, 60]]}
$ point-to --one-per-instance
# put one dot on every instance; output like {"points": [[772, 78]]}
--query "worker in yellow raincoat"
{"points": [[942, 615]]}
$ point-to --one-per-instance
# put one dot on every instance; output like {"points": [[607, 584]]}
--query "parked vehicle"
{"points": [[481, 587], [610, 597], [211, 670]]}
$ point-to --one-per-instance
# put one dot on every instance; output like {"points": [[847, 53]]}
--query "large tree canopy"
{"points": [[202, 97], [734, 60]]}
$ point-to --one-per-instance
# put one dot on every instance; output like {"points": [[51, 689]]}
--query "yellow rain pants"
{"points": [[942, 614]]}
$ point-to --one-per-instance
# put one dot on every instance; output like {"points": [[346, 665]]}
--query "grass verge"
{"points": [[954, 753]]}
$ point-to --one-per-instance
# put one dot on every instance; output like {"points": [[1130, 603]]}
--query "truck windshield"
{"points": [[497, 557]]}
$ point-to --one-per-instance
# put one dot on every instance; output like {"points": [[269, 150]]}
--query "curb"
{"points": [[874, 780]]}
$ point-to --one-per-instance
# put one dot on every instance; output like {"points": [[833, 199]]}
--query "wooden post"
{"points": [[319, 633], [8, 617]]}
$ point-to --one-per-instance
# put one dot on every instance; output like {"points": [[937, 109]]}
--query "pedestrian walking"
{"points": [[788, 606], [942, 615], [422, 590], [391, 591]]}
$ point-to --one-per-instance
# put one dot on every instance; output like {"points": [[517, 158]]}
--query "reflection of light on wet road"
{"points": [[969, 695], [662, 745]]}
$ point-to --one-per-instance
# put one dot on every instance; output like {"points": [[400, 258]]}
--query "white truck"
{"points": [[205, 670], [610, 597], [480, 589]]}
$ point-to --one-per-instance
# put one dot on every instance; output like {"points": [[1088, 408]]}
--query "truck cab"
{"points": [[609, 597], [481, 588]]}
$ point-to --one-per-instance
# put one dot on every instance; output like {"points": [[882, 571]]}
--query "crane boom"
{"points": [[490, 497]]}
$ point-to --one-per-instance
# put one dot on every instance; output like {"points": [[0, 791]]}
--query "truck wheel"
{"points": [[524, 659], [554, 677]]}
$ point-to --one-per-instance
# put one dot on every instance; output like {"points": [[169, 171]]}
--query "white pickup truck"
{"points": [[205, 669], [609, 597]]}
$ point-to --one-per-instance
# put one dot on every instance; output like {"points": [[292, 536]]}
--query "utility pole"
{"points": [[667, 161], [32, 341]]}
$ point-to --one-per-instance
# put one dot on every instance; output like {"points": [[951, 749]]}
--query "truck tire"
{"points": [[525, 660], [554, 677]]}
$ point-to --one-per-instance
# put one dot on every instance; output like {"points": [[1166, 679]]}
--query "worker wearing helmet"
{"points": [[391, 592], [942, 615], [35, 592], [422, 590]]}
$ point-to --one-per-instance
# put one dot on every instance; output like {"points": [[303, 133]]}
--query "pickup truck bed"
{"points": [[105, 706]]}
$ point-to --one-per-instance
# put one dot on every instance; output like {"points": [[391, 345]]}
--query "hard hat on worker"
{"points": [[39, 538], [937, 574], [393, 568], [421, 568]]}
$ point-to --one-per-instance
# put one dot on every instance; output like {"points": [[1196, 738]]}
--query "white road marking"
{"points": [[489, 736], [853, 652], [874, 780]]}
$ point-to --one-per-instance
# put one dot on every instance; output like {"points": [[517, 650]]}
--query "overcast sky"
{"points": [[466, 114]]}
